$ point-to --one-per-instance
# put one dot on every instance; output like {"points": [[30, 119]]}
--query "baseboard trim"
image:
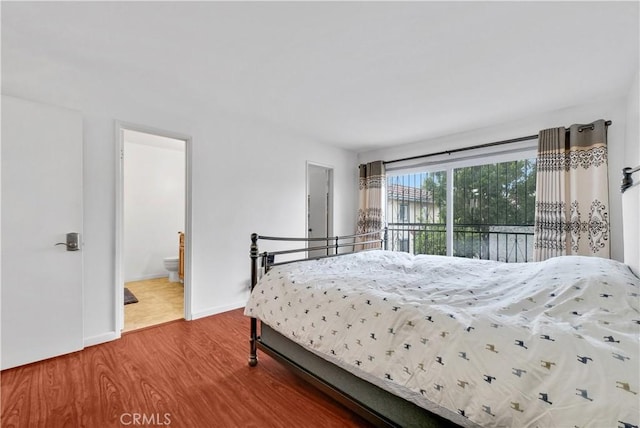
{"points": [[101, 338], [218, 310]]}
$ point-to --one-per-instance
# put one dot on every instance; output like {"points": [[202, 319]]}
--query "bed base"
{"points": [[346, 400], [372, 403]]}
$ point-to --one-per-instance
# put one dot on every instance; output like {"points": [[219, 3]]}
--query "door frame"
{"points": [[120, 127], [330, 203]]}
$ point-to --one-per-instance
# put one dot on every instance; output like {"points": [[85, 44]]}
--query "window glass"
{"points": [[492, 211], [418, 202]]}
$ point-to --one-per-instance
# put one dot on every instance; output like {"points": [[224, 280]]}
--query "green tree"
{"points": [[495, 194]]}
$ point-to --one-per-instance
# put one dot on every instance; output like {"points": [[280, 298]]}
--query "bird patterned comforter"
{"points": [[548, 344]]}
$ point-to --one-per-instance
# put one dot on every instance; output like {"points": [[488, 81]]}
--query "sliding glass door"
{"points": [[489, 215]]}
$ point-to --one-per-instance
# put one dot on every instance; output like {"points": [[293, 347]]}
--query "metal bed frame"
{"points": [[627, 180], [268, 261], [372, 403], [367, 400]]}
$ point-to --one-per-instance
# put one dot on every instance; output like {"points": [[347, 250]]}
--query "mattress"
{"points": [[545, 344]]}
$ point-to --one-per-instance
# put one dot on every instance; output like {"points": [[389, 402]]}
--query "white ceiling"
{"points": [[359, 75]]}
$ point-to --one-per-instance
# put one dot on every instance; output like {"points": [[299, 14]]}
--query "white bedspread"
{"points": [[544, 344]]}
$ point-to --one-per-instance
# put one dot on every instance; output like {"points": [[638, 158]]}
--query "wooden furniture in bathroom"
{"points": [[181, 257]]}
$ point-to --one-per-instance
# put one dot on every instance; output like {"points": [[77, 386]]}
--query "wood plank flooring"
{"points": [[182, 374], [159, 301]]}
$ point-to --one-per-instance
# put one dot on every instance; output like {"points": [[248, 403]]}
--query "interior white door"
{"points": [[318, 207], [42, 303]]}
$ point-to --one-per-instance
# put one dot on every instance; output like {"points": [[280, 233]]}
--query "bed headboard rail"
{"points": [[335, 246], [366, 241], [627, 179], [630, 215]]}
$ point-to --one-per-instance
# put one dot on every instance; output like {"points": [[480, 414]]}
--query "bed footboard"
{"points": [[253, 253], [366, 241]]}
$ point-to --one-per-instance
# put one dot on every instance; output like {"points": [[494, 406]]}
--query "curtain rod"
{"points": [[481, 146]]}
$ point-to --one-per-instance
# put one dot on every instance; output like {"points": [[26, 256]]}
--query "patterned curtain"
{"points": [[370, 213], [572, 192]]}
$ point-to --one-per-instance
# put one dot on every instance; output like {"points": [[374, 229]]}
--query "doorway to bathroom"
{"points": [[153, 224]]}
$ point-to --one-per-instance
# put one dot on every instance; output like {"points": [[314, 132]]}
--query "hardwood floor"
{"points": [[159, 301], [181, 374]]}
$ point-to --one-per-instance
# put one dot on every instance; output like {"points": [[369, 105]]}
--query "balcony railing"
{"points": [[505, 243]]}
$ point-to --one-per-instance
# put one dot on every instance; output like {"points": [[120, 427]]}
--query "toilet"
{"points": [[171, 264]]}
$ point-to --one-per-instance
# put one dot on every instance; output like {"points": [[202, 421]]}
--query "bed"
{"points": [[438, 341]]}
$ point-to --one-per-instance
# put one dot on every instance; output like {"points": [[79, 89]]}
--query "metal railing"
{"points": [[505, 243]]}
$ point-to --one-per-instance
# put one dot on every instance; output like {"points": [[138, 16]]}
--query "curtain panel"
{"points": [[572, 192], [371, 192]]}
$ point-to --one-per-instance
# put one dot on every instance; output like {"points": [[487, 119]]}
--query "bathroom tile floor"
{"points": [[159, 301]]}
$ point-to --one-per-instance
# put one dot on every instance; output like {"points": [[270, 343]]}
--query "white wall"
{"points": [[247, 177], [632, 143], [154, 207], [611, 109], [259, 176]]}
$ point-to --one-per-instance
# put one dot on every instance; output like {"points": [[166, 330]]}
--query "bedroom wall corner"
{"points": [[251, 179]]}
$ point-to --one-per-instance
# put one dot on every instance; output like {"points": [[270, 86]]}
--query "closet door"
{"points": [[319, 211]]}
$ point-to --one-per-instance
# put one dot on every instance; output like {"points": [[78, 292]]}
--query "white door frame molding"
{"points": [[120, 127]]}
